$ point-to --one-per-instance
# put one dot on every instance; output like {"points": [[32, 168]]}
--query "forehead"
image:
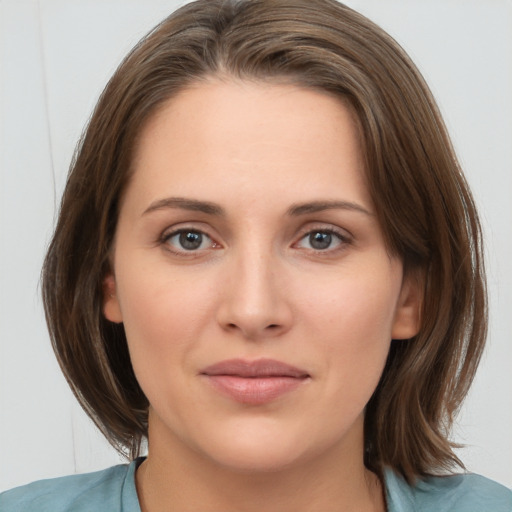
{"points": [[254, 135]]}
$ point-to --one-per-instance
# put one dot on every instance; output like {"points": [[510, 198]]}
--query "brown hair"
{"points": [[422, 201]]}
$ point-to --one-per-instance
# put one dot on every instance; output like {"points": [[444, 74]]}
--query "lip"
{"points": [[254, 382]]}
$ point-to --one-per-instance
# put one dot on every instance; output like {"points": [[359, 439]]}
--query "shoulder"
{"points": [[455, 493], [111, 490]]}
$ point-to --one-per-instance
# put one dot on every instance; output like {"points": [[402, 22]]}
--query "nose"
{"points": [[254, 300]]}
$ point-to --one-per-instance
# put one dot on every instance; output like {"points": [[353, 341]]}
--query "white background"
{"points": [[56, 56]]}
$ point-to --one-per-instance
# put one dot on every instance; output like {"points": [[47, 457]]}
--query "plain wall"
{"points": [[55, 58]]}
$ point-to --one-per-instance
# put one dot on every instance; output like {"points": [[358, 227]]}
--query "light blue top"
{"points": [[113, 490]]}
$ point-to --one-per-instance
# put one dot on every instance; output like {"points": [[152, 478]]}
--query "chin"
{"points": [[259, 448], [252, 449]]}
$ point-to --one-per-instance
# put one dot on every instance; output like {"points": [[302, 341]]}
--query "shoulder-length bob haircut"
{"points": [[422, 201]]}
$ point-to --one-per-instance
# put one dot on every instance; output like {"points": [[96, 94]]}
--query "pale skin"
{"points": [[247, 231]]}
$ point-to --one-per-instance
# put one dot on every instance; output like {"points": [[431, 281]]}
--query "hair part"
{"points": [[421, 198]]}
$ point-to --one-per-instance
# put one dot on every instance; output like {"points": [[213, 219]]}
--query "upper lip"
{"points": [[254, 369]]}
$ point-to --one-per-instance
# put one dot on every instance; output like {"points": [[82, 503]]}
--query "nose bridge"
{"points": [[254, 303]]}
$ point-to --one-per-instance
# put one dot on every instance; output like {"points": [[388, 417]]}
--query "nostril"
{"points": [[271, 327]]}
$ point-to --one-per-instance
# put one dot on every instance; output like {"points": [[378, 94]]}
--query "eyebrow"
{"points": [[210, 208], [319, 206], [185, 204]]}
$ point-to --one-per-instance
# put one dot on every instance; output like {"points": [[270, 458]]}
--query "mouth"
{"points": [[254, 382]]}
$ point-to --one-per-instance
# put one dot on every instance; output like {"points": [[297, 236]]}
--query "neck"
{"points": [[175, 477]]}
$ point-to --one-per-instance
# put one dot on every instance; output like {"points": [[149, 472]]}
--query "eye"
{"points": [[322, 240], [188, 240]]}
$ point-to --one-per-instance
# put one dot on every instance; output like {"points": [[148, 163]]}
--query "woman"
{"points": [[267, 264]]}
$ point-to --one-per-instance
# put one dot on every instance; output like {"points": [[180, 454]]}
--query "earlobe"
{"points": [[111, 309], [407, 321]]}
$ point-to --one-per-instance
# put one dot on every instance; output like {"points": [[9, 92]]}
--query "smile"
{"points": [[254, 382]]}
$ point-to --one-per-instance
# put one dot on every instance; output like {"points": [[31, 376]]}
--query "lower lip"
{"points": [[254, 390]]}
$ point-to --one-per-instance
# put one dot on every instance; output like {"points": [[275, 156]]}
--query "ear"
{"points": [[407, 321], [111, 308]]}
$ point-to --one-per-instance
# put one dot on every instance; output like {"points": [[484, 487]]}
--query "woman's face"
{"points": [[252, 278]]}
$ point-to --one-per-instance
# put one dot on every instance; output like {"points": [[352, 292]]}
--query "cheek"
{"points": [[352, 320], [354, 308], [162, 316]]}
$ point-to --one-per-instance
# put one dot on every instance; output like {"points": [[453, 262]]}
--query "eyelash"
{"points": [[343, 241], [166, 237]]}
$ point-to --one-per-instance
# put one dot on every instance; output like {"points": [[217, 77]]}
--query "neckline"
{"points": [[396, 491]]}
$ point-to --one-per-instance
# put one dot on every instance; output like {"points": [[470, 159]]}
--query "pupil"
{"points": [[190, 240], [320, 240]]}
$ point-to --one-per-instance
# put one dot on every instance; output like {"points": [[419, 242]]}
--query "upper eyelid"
{"points": [[186, 226], [326, 227], [341, 236], [167, 234], [175, 230]]}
